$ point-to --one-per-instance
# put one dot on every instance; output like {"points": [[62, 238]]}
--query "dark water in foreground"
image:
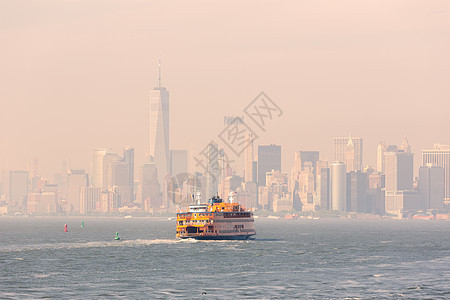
{"points": [[317, 259]]}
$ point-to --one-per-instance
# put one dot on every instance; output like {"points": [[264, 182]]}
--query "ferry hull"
{"points": [[221, 237]]}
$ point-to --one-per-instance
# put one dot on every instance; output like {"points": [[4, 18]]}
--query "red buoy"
{"points": [[65, 228]]}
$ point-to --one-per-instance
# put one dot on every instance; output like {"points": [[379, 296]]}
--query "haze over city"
{"points": [[76, 75], [224, 149]]}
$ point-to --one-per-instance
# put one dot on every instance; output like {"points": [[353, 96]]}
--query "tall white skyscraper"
{"points": [[97, 176], [380, 157], [338, 186], [159, 129]]}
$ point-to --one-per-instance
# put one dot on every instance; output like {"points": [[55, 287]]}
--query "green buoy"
{"points": [[117, 236], [82, 224]]}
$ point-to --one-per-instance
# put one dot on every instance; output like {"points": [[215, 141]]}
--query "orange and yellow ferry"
{"points": [[215, 220]]}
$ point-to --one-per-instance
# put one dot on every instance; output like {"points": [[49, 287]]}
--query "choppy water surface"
{"points": [[317, 259]]}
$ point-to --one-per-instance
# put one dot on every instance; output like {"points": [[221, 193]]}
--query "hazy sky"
{"points": [[75, 75]]}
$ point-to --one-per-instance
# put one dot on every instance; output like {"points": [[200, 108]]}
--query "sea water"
{"points": [[307, 259]]}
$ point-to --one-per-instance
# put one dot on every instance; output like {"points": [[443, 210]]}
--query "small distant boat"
{"points": [[273, 217], [65, 228], [117, 236], [82, 224], [291, 217], [128, 217]]}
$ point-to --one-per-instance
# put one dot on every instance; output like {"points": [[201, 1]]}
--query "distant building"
{"points": [[265, 197], [76, 179], [375, 193], [376, 200], [305, 158], [399, 182], [357, 187], [405, 147], [42, 202], [338, 186], [213, 171], [247, 195], [380, 157], [306, 188], [349, 151], [108, 159], [248, 163], [431, 187], [282, 203], [149, 189], [440, 157], [18, 189], [399, 171], [97, 176], [276, 186], [395, 201], [118, 173], [128, 158], [231, 184], [178, 162], [376, 180], [89, 197], [269, 158], [322, 195]]}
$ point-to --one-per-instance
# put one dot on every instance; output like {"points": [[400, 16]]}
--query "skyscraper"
{"points": [[76, 179], [89, 197], [178, 162], [159, 129], [97, 176], [213, 171], [399, 182], [109, 157], [431, 187], [357, 187], [440, 157], [128, 157], [399, 171], [322, 197], [380, 157], [303, 158], [149, 189], [249, 159], [269, 158], [338, 186], [349, 151]]}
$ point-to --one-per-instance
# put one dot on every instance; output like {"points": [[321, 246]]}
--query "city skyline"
{"points": [[62, 99]]}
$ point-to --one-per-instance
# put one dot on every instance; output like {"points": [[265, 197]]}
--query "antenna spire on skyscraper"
{"points": [[159, 70]]}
